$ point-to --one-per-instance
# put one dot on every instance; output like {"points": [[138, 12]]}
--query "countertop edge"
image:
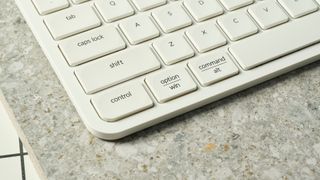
{"points": [[4, 104]]}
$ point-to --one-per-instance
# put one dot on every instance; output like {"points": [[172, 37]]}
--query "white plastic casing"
{"points": [[160, 112]]}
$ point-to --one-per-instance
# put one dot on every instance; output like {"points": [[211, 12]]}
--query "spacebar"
{"points": [[277, 42]]}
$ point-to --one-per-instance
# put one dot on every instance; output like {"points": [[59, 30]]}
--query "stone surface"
{"points": [[270, 131]]}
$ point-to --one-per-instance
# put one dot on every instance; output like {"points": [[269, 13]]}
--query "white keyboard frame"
{"points": [[160, 112]]}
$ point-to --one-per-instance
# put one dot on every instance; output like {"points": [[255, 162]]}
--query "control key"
{"points": [[119, 102]]}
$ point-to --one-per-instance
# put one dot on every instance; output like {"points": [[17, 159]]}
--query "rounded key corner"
{"points": [[95, 110]]}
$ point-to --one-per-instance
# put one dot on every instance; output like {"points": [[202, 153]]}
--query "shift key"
{"points": [[116, 68]]}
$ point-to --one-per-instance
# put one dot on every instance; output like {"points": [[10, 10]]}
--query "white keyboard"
{"points": [[130, 64]]}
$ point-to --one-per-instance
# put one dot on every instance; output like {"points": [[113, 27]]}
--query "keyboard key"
{"points": [[213, 67], [144, 5], [71, 21], [79, 1], [172, 18], [173, 49], [235, 4], [206, 37], [169, 84], [139, 29], [122, 101], [48, 6], [268, 14], [113, 10], [237, 25], [203, 9], [117, 68], [92, 44], [277, 42], [298, 8]]}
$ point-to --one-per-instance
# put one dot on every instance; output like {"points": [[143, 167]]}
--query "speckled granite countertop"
{"points": [[271, 131]]}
